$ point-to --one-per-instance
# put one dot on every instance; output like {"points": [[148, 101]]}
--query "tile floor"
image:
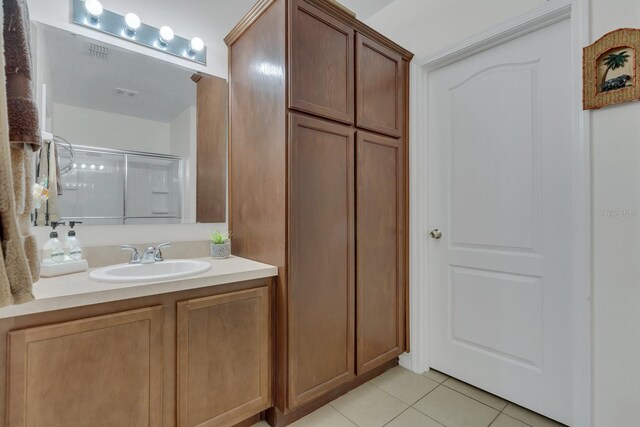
{"points": [[400, 398]]}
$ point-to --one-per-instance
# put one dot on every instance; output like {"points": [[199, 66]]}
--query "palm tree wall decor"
{"points": [[611, 69]]}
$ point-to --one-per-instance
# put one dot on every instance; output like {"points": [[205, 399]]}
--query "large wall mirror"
{"points": [[137, 140]]}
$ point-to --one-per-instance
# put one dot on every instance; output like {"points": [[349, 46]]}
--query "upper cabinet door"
{"points": [[380, 88], [321, 63]]}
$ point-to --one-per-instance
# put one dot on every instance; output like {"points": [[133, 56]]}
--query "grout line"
{"points": [[479, 401]]}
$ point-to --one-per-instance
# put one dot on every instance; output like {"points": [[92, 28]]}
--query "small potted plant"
{"points": [[220, 244]]}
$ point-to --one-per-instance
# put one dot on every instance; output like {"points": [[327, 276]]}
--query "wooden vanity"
{"points": [[199, 356]]}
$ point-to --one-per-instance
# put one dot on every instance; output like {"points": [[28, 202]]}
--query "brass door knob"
{"points": [[435, 234]]}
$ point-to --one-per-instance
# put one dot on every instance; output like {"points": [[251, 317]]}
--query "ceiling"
{"points": [[365, 8]]}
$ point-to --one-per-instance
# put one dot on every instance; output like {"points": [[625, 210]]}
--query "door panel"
{"points": [[379, 87], [106, 368], [321, 63], [380, 250], [224, 358], [321, 253], [500, 190]]}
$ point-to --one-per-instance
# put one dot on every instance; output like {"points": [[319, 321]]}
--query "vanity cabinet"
{"points": [[223, 358], [106, 368], [318, 155], [195, 357]]}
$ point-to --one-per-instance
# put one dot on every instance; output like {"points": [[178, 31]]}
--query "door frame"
{"points": [[550, 13]]}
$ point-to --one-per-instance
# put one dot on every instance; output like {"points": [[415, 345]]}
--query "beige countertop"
{"points": [[76, 290]]}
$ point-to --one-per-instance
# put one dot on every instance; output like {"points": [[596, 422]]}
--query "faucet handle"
{"points": [[158, 253], [135, 255]]}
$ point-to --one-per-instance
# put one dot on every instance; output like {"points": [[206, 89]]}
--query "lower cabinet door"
{"points": [[99, 371], [380, 246], [321, 279], [224, 358]]}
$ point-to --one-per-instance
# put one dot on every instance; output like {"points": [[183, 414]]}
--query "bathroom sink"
{"points": [[156, 272]]}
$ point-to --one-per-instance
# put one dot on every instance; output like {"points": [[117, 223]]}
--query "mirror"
{"points": [[130, 135]]}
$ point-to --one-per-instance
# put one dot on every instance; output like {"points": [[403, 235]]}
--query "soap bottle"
{"points": [[72, 245], [53, 249]]}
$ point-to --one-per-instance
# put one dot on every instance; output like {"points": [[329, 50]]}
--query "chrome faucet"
{"points": [[135, 255], [151, 254]]}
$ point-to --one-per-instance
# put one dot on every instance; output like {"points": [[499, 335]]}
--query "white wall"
{"points": [[82, 126], [616, 241], [426, 26]]}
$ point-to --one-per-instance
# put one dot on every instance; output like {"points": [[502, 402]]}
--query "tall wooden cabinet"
{"points": [[318, 187]]}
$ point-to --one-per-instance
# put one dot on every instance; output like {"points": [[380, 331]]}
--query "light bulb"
{"points": [[94, 9], [92, 167], [101, 167], [83, 166], [166, 35], [196, 45], [132, 22]]}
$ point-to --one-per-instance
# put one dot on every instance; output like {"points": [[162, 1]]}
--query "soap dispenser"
{"points": [[53, 249], [72, 245]]}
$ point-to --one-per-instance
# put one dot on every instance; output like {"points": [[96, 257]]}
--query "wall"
{"points": [[616, 236], [428, 26], [95, 128]]}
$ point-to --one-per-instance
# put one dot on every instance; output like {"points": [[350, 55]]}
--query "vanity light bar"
{"points": [[90, 14]]}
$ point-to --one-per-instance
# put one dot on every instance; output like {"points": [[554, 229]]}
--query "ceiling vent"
{"points": [[98, 51], [126, 92]]}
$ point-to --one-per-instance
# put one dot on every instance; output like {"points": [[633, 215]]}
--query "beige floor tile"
{"points": [[506, 421], [454, 409], [477, 394], [413, 418], [404, 384], [368, 406], [436, 376], [261, 424], [326, 416], [529, 417]]}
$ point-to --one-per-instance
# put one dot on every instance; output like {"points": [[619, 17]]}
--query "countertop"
{"points": [[76, 290]]}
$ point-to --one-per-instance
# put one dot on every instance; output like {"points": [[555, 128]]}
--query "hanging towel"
{"points": [[49, 172], [24, 125], [19, 137]]}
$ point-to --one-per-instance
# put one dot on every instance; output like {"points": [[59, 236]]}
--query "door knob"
{"points": [[435, 234]]}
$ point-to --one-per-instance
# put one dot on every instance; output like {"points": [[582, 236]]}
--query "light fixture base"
{"points": [[114, 24]]}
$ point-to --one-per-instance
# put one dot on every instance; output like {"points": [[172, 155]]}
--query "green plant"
{"points": [[614, 61], [219, 237]]}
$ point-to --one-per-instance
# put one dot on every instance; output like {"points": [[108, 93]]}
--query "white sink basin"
{"points": [[157, 272]]}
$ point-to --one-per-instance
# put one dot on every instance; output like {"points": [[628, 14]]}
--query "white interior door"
{"points": [[499, 168]]}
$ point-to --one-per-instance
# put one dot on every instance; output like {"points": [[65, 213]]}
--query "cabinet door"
{"points": [[100, 371], [380, 86], [224, 358], [380, 246], [320, 63], [321, 254]]}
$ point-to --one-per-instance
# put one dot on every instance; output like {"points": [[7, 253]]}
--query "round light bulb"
{"points": [[132, 22], [196, 44], [94, 9], [83, 166], [92, 167], [166, 35]]}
